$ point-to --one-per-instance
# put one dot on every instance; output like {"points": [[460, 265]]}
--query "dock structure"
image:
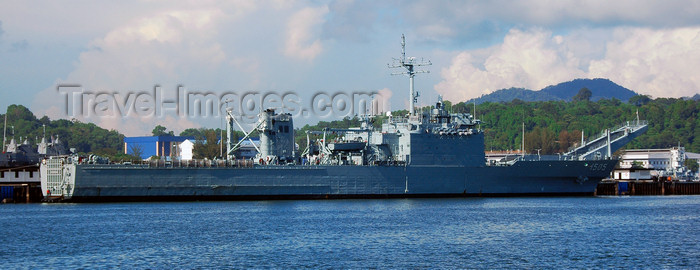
{"points": [[21, 184], [614, 188]]}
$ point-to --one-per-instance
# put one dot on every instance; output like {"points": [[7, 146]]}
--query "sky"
{"points": [[120, 60]]}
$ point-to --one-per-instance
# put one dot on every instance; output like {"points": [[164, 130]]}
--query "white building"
{"points": [[186, 148], [632, 174], [639, 164]]}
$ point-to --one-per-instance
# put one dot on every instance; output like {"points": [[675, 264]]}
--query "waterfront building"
{"points": [[647, 164], [148, 146]]}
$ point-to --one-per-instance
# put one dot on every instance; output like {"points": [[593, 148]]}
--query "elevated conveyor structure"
{"points": [[609, 141]]}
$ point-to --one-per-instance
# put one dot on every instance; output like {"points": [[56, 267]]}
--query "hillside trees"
{"points": [[671, 121], [639, 100], [583, 95], [162, 131]]}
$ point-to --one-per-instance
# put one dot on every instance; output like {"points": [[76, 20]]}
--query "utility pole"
{"points": [[409, 64], [4, 134], [522, 145], [221, 137]]}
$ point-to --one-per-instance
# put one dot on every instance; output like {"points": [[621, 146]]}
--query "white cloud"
{"points": [[213, 47], [163, 48], [655, 62], [660, 63], [303, 29], [529, 59]]}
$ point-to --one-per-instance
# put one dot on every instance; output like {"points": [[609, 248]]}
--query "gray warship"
{"points": [[433, 153]]}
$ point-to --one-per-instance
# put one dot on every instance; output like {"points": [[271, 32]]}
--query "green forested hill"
{"points": [[600, 89], [671, 121]]}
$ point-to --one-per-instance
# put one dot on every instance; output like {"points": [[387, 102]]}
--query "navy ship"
{"points": [[24, 155], [429, 154], [19, 168]]}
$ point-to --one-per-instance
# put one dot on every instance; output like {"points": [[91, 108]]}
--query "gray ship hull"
{"points": [[420, 154], [87, 182]]}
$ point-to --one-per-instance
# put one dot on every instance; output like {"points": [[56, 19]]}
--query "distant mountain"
{"points": [[507, 95], [695, 97], [600, 88]]}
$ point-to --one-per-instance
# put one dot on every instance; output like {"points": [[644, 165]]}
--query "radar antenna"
{"points": [[409, 64]]}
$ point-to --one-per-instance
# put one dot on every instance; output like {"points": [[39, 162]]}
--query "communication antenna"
{"points": [[409, 64]]}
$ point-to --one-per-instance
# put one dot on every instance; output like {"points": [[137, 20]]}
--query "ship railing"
{"points": [[629, 124], [243, 163], [198, 163], [404, 119], [398, 119], [512, 159]]}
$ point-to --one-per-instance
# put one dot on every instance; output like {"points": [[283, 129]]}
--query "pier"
{"points": [[20, 185], [20, 193], [647, 188]]}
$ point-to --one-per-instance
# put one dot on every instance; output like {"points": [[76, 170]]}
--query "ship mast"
{"points": [[409, 64]]}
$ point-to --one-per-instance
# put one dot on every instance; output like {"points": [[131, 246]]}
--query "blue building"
{"points": [[149, 146]]}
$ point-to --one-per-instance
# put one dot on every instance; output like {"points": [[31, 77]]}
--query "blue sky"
{"points": [[306, 47]]}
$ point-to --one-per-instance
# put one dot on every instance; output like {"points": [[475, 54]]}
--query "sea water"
{"points": [[560, 232]]}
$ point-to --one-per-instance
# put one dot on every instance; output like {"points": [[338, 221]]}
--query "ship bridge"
{"points": [[609, 141]]}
